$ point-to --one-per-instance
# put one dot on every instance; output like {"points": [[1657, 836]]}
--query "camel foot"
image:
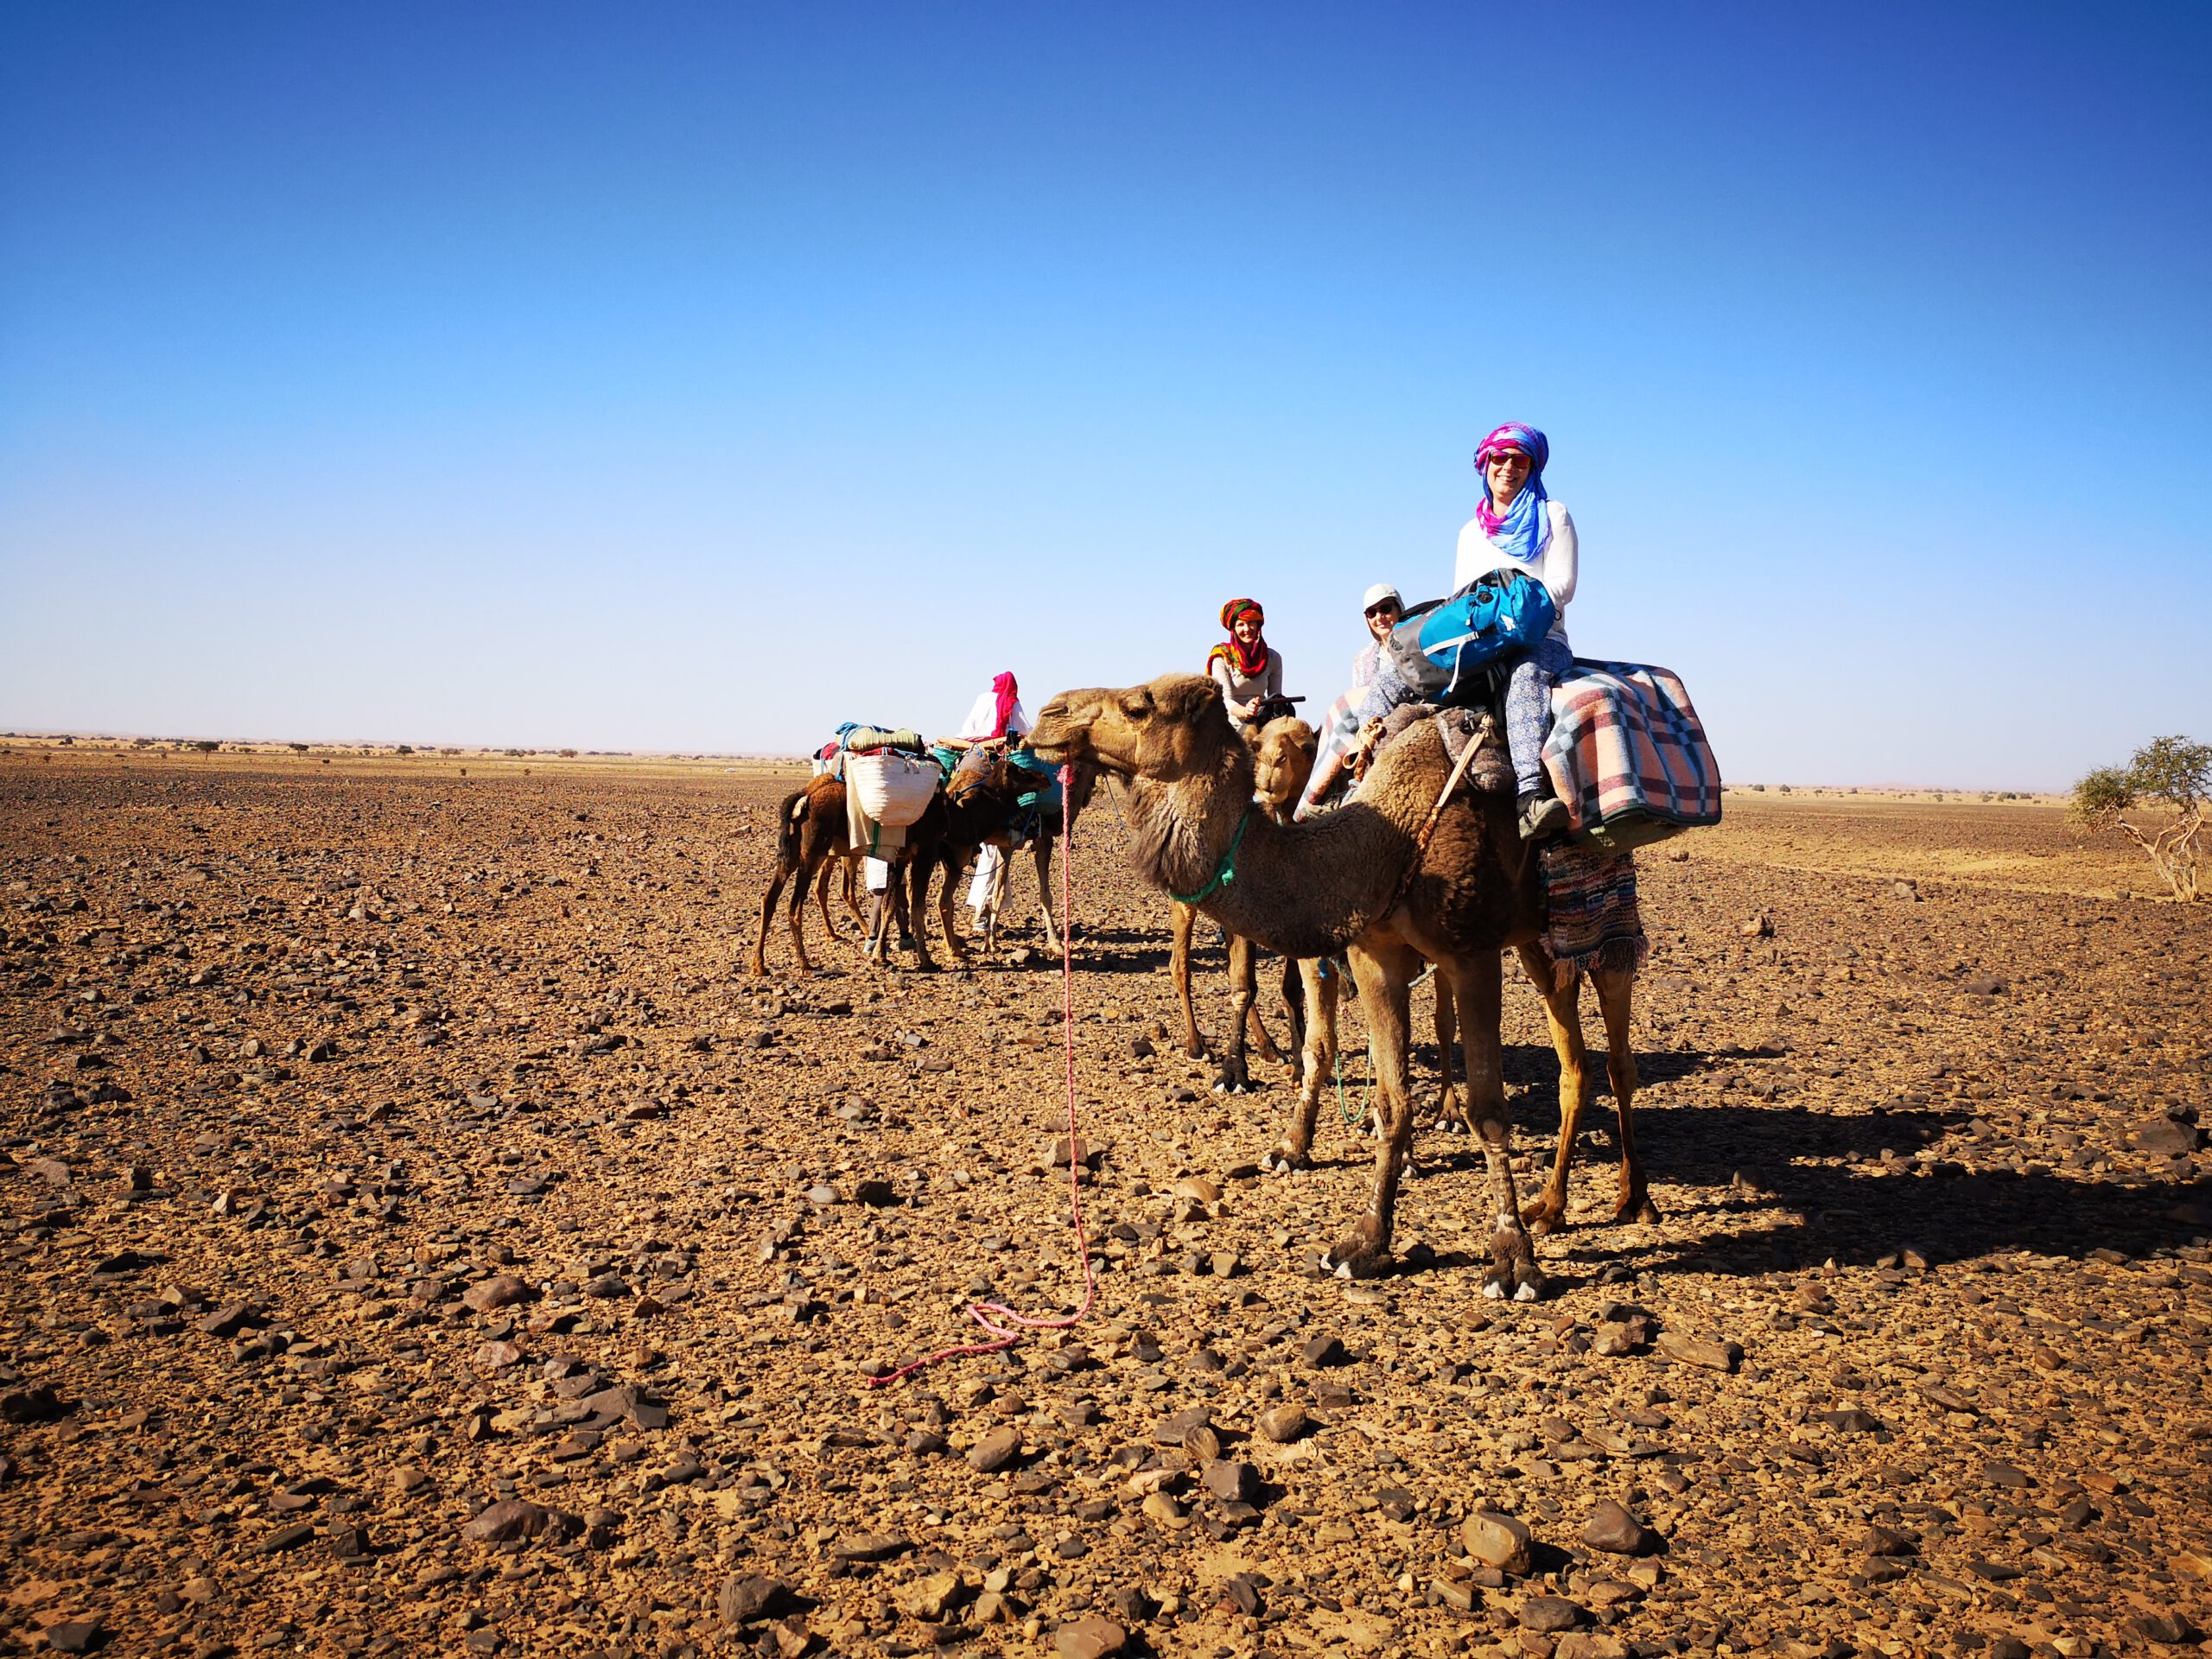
{"points": [[1520, 1283], [1544, 1217], [1363, 1252], [1638, 1207], [1231, 1080], [1284, 1158], [1194, 1050]]}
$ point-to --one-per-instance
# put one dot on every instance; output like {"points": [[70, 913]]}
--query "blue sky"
{"points": [[698, 378]]}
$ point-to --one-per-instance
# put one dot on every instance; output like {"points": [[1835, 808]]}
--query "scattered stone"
{"points": [[747, 1596], [1232, 1483], [995, 1450], [1497, 1541], [1548, 1614], [515, 1517], [1321, 1353], [1282, 1424], [1690, 1351], [1613, 1529], [501, 1290], [1090, 1638]]}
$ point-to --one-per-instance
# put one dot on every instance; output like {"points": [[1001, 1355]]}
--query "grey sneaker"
{"points": [[1543, 816]]}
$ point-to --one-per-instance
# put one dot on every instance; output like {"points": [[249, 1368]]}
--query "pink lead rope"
{"points": [[1005, 1336]]}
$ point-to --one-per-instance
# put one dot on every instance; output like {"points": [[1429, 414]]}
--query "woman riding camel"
{"points": [[996, 716], [1518, 527], [1248, 671], [996, 713], [1382, 607]]}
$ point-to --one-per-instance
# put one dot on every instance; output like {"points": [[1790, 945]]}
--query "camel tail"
{"points": [[789, 819]]}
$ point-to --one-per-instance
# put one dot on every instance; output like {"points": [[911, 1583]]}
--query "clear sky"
{"points": [[698, 378]]}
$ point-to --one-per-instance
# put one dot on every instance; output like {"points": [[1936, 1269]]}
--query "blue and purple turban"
{"points": [[1518, 532]]}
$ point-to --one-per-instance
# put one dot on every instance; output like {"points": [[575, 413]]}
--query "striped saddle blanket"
{"points": [[1629, 756]]}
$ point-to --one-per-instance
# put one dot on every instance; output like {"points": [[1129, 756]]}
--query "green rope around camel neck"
{"points": [[1224, 872]]}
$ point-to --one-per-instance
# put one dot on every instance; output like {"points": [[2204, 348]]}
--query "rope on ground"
{"points": [[988, 1314]]}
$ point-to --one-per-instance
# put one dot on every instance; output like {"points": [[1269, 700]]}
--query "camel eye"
{"points": [[1137, 703]]}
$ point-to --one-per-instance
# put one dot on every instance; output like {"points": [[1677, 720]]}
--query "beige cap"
{"points": [[1377, 593]]}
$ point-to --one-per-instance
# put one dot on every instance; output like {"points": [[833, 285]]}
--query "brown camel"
{"points": [[1282, 759], [987, 812], [1357, 880], [982, 802], [810, 832]]}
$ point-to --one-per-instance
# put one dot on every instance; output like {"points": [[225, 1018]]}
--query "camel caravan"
{"points": [[1478, 789], [901, 810]]}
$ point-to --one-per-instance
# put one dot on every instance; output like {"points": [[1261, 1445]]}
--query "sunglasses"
{"points": [[1509, 456], [1384, 609]]}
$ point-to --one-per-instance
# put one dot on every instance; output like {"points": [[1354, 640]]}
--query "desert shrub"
{"points": [[405, 748], [298, 748], [207, 745], [2170, 773], [567, 754]]}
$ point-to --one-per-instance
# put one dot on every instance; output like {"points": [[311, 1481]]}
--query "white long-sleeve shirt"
{"points": [[985, 714], [1555, 564]]}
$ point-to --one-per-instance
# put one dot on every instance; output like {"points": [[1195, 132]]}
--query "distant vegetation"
{"points": [[2170, 773]]}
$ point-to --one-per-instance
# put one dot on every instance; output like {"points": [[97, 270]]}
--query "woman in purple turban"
{"points": [[1519, 527]]}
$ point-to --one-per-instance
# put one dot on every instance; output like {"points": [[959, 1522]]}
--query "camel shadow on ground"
{"points": [[1766, 1209]]}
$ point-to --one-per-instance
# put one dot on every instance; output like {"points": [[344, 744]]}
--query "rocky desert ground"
{"points": [[421, 1237]]}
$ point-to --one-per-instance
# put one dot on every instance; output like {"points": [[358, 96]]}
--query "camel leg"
{"points": [[1295, 1004], [821, 901], [1235, 1077], [1384, 979], [1478, 992], [948, 905], [1294, 1150], [1451, 1116], [1179, 968], [1053, 921], [796, 916], [917, 873], [1616, 992], [767, 917], [1256, 1028], [852, 895], [1549, 1213], [994, 900]]}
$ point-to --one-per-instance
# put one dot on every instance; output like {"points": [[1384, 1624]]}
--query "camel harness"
{"points": [[1224, 872]]}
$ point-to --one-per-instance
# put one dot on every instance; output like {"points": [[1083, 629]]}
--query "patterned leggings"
{"points": [[1529, 710]]}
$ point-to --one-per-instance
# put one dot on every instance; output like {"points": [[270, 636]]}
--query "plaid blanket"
{"points": [[1592, 919], [1628, 755]]}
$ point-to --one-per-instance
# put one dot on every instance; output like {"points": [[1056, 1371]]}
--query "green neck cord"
{"points": [[1224, 873]]}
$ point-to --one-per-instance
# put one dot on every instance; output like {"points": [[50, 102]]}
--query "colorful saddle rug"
{"points": [[1592, 918], [1629, 756]]}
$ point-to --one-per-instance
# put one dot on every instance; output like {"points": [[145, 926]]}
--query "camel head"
{"points": [[1166, 728], [1282, 754]]}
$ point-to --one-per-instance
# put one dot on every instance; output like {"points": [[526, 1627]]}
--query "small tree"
{"points": [[2169, 771]]}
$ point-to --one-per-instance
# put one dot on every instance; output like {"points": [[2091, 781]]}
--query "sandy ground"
{"points": [[420, 1236]]}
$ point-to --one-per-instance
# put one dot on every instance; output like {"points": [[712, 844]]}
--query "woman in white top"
{"points": [[997, 713], [1246, 669], [996, 716], [1518, 527]]}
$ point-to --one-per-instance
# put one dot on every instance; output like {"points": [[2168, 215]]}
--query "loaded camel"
{"points": [[982, 809], [1282, 759], [810, 831], [985, 795], [1360, 879]]}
